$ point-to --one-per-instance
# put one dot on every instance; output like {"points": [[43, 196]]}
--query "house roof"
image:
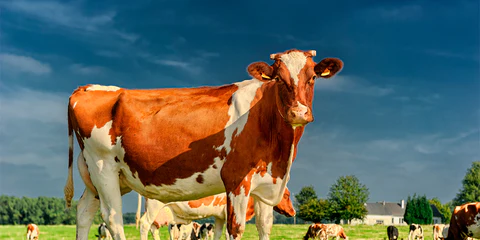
{"points": [[385, 208], [436, 212], [393, 209]]}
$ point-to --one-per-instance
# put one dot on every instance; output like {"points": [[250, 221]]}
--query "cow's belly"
{"points": [[182, 210], [183, 188]]}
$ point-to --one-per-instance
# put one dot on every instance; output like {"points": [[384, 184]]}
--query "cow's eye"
{"points": [[312, 80]]}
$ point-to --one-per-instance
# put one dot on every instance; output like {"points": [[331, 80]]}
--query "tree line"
{"points": [[43, 211]]}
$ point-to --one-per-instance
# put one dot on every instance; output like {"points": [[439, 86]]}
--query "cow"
{"points": [[313, 231], [183, 231], [392, 233], [206, 231], [465, 222], [440, 231], [416, 232], [103, 232], [332, 230], [184, 212], [32, 231], [181, 144]]}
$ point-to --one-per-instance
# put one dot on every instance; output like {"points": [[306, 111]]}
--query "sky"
{"points": [[403, 116]]}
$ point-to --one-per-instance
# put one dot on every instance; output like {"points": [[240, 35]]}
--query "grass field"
{"points": [[279, 231]]}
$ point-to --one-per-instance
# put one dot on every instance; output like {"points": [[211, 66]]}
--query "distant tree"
{"points": [[443, 208], [315, 210], [347, 198], [470, 191], [418, 210], [306, 194]]}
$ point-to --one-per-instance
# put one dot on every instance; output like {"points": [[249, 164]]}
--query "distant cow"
{"points": [[182, 231], [32, 231], [392, 233], [416, 232], [465, 222], [332, 230], [313, 231], [440, 231], [103, 232], [206, 231]]}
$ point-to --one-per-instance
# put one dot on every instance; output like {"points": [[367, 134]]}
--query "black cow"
{"points": [[392, 233]]}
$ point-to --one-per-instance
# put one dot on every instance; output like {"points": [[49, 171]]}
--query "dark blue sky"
{"points": [[403, 115]]}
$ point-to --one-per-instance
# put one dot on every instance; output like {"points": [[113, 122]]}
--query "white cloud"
{"points": [[17, 63], [349, 84], [28, 104], [87, 70], [402, 13], [172, 63], [58, 14]]}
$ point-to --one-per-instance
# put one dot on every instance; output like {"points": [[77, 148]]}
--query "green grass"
{"points": [[279, 232]]}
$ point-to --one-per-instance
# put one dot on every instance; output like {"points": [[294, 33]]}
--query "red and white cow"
{"points": [[465, 222], [212, 206], [32, 231], [189, 143], [440, 231]]}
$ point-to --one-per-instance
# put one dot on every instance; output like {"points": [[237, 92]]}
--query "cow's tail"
{"points": [[139, 207], [68, 190]]}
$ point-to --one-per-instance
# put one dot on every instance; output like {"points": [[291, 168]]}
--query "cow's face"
{"points": [[294, 73], [285, 207]]}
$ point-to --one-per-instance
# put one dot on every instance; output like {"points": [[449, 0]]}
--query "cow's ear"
{"points": [[260, 71], [328, 67]]}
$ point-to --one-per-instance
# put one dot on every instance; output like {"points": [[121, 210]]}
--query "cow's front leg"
{"points": [[263, 219], [237, 202]]}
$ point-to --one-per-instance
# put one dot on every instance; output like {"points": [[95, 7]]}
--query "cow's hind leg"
{"points": [[152, 209], [104, 174], [155, 232], [263, 219], [86, 209], [219, 222]]}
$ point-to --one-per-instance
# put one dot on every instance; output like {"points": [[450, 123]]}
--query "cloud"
{"points": [[349, 84], [17, 63], [57, 14], [87, 70]]}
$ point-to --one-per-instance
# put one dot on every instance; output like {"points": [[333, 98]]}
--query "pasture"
{"points": [[279, 232]]}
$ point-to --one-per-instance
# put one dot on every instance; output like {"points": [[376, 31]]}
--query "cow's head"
{"points": [[294, 73], [285, 207]]}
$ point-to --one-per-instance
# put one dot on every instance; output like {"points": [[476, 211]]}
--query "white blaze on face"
{"points": [[295, 61], [239, 109], [97, 87]]}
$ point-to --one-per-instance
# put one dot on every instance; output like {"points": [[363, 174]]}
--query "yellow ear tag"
{"points": [[265, 76], [325, 73]]}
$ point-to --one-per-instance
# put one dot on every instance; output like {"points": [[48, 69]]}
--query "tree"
{"points": [[347, 198], [306, 194], [443, 208], [418, 210], [470, 191], [315, 210]]}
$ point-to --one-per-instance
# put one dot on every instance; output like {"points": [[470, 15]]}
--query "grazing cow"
{"points": [[416, 231], [182, 231], [313, 231], [103, 232], [189, 143], [332, 230], [185, 212], [32, 231], [206, 231], [440, 231], [465, 222], [392, 233]]}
